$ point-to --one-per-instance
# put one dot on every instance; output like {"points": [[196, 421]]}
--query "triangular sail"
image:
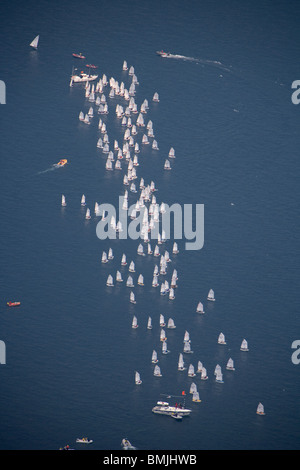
{"points": [[35, 42]]}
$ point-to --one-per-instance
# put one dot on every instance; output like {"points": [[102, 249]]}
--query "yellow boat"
{"points": [[62, 162]]}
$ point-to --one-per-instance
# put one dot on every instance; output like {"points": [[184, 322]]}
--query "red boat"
{"points": [[91, 66], [78, 56], [13, 304]]}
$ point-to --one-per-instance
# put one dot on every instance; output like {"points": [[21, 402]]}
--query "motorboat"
{"points": [[164, 408], [78, 56], [126, 445], [83, 77], [84, 440], [62, 162], [13, 304], [163, 53]]}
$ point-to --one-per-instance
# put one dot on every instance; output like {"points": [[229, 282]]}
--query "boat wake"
{"points": [[52, 168], [214, 63]]}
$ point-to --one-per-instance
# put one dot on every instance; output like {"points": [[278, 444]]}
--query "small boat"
{"points": [[204, 375], [149, 323], [230, 364], [129, 282], [91, 66], [83, 200], [155, 97], [63, 200], [110, 281], [34, 43], [84, 440], [193, 388], [200, 365], [181, 363], [157, 372], [171, 324], [162, 321], [88, 214], [110, 254], [191, 371], [78, 56], [13, 304], [62, 162], [140, 280], [196, 397], [260, 409], [244, 346], [134, 322], [132, 298], [200, 308], [126, 444], [104, 257], [137, 378], [167, 165], [123, 260], [172, 153], [211, 295], [163, 53], [176, 416], [119, 277], [219, 376], [163, 335], [125, 66], [187, 348], [131, 267], [221, 339], [175, 250], [165, 348], [154, 359], [186, 338]]}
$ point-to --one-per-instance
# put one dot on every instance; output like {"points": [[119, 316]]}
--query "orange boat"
{"points": [[62, 162], [13, 304]]}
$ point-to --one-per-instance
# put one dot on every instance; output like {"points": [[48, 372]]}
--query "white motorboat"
{"points": [[84, 440], [83, 77], [164, 408]]}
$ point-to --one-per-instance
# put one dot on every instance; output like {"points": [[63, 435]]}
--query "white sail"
{"points": [[81, 116], [129, 282], [63, 201], [162, 320], [181, 362], [244, 345], [200, 308], [175, 250], [154, 359], [191, 371], [123, 260], [88, 214], [171, 294], [200, 366], [187, 348], [186, 337], [211, 295], [35, 42], [163, 335], [119, 277], [140, 280], [157, 372], [110, 254], [219, 376], [137, 378], [165, 348], [132, 298], [134, 322], [230, 364], [156, 97], [104, 257], [155, 282], [260, 409], [149, 323], [110, 281], [171, 324], [131, 267], [167, 165], [196, 397], [140, 250], [217, 368], [172, 153], [221, 339], [193, 388], [204, 374]]}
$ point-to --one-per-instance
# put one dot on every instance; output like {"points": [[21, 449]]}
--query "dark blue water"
{"points": [[71, 351]]}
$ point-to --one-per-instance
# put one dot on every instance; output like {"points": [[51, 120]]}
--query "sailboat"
{"points": [[167, 165], [199, 368], [162, 320], [63, 201], [123, 260], [132, 298], [181, 362], [131, 267], [204, 375], [134, 322], [172, 153], [196, 397], [186, 338], [110, 254], [129, 282], [260, 409], [171, 324], [83, 200], [191, 371], [154, 359], [244, 346], [155, 97], [155, 282], [175, 250], [119, 277], [219, 376], [88, 214], [157, 372], [137, 378], [165, 348], [140, 280], [171, 294], [230, 364], [34, 43], [140, 250], [187, 348], [221, 339], [200, 308], [193, 388], [104, 257], [211, 295], [149, 323], [110, 281]]}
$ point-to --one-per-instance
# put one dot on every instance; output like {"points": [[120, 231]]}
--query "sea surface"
{"points": [[225, 106]]}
